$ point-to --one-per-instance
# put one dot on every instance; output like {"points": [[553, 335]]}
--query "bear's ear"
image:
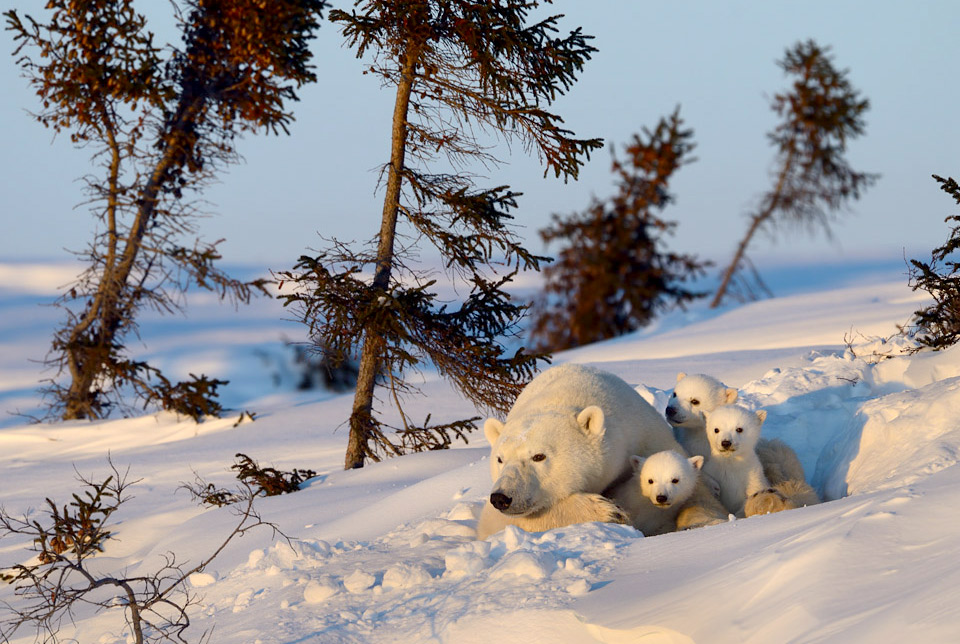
{"points": [[591, 421], [730, 395], [636, 462], [762, 415], [681, 376], [696, 461], [491, 429]]}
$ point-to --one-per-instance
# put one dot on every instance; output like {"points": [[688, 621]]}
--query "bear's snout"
{"points": [[725, 443], [662, 498], [671, 412], [500, 501]]}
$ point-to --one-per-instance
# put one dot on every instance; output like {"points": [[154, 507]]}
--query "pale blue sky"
{"points": [[716, 59]]}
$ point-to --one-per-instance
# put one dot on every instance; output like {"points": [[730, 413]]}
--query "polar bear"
{"points": [[733, 432], [657, 491], [699, 394], [788, 486], [569, 437], [693, 396]]}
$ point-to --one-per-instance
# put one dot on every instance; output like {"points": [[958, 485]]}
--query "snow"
{"points": [[388, 553]]}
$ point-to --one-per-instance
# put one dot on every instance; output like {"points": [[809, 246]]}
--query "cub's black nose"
{"points": [[500, 501], [661, 498], [671, 412], [725, 444]]}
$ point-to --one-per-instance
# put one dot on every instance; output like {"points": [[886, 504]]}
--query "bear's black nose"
{"points": [[725, 443], [500, 501], [661, 498], [671, 412]]}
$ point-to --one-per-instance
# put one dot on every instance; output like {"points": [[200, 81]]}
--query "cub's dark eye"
{"points": [[739, 430], [499, 460], [650, 481], [674, 395], [675, 481], [694, 401], [716, 430], [538, 457]]}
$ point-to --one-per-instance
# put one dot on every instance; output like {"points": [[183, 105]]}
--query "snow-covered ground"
{"points": [[388, 553]]}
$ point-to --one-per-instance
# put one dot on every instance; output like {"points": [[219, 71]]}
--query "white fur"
{"points": [[733, 433], [568, 437], [780, 462], [657, 491], [693, 397]]}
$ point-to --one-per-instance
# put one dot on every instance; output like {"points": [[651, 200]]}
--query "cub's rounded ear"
{"points": [[636, 462], [591, 421], [696, 461], [681, 376], [762, 415], [729, 395], [491, 429]]}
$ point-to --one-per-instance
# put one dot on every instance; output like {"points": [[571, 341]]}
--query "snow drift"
{"points": [[388, 553]]}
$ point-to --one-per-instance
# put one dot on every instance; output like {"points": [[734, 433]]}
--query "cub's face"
{"points": [[733, 429], [667, 478], [694, 396]]}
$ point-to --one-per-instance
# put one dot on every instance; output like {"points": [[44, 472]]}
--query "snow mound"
{"points": [[894, 441], [420, 583]]}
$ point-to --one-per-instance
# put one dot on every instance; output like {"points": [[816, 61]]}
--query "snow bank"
{"points": [[894, 441], [388, 553]]}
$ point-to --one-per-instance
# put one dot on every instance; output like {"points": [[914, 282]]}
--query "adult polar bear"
{"points": [[569, 437]]}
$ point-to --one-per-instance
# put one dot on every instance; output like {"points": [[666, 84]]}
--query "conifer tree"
{"points": [[613, 274], [939, 323], [819, 114], [460, 70], [159, 122]]}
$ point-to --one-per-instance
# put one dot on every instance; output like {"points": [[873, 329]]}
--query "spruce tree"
{"points": [[160, 122], [460, 70], [939, 323], [820, 114], [613, 274]]}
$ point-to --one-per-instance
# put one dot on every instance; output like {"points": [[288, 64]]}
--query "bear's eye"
{"points": [[674, 395], [694, 401], [739, 430], [536, 458], [650, 481], [499, 460], [716, 430], [675, 481]]}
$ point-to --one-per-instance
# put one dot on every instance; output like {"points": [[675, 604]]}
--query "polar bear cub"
{"points": [[693, 397], [786, 495], [789, 488], [733, 432], [657, 491]]}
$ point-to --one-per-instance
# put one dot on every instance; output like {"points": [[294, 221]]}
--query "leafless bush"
{"points": [[257, 480], [57, 582]]}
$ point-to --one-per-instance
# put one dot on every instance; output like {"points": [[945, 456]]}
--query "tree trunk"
{"points": [[758, 220], [361, 419], [728, 274], [106, 305]]}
